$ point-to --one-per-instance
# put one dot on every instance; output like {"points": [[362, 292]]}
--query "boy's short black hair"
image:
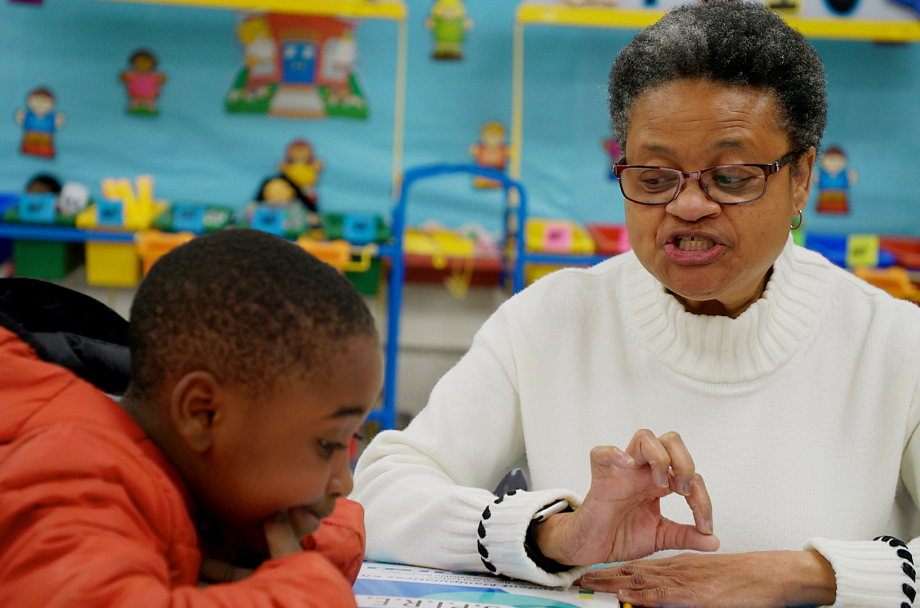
{"points": [[245, 305]]}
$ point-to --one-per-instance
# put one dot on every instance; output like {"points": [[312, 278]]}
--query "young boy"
{"points": [[252, 366]]}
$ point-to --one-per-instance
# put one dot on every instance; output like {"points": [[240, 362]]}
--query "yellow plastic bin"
{"points": [[153, 244], [112, 264], [564, 237]]}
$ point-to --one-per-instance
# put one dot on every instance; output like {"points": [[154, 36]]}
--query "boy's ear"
{"points": [[195, 402]]}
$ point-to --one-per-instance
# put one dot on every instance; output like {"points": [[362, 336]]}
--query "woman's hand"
{"points": [[620, 518], [283, 532], [765, 579]]}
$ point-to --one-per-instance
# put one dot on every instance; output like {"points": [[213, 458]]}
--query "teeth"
{"points": [[695, 243]]}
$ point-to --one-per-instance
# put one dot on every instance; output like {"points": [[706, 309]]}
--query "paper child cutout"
{"points": [[39, 123], [142, 83], [490, 152], [834, 181], [448, 22]]}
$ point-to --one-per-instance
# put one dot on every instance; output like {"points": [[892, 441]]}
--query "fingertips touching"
{"points": [[701, 505], [681, 463]]}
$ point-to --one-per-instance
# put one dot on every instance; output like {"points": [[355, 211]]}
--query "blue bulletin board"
{"points": [[196, 151]]}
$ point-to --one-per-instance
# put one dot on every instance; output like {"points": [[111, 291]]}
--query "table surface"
{"points": [[390, 585]]}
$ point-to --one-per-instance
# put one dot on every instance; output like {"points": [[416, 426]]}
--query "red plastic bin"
{"points": [[905, 249], [610, 239]]}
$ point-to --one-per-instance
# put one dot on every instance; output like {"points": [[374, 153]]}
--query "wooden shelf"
{"points": [[352, 9], [537, 13]]}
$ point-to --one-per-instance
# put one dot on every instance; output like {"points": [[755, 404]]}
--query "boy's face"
{"points": [[291, 450]]}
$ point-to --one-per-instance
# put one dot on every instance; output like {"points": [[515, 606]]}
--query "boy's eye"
{"points": [[328, 448]]}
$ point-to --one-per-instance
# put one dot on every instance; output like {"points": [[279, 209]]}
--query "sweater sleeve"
{"points": [[427, 490], [880, 573], [77, 535]]}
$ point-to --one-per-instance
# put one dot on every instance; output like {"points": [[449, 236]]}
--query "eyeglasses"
{"points": [[723, 184]]}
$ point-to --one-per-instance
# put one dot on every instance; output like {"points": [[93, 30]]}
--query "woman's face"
{"points": [[695, 124]]}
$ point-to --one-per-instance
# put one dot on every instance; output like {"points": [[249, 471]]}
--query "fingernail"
{"points": [[665, 480], [709, 527], [685, 488], [627, 460]]}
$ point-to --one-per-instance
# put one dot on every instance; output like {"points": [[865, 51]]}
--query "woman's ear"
{"points": [[194, 405], [801, 178]]}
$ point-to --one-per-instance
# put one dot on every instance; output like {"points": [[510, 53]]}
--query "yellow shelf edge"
{"points": [[357, 9], [533, 13], [587, 16], [852, 29]]}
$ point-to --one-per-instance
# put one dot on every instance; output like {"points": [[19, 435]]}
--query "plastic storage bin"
{"points": [[48, 260], [609, 239], [554, 236], [153, 244], [112, 264], [905, 249]]}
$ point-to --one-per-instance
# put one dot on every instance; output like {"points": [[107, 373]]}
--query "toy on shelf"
{"points": [[197, 218], [123, 206], [448, 22], [143, 83], [46, 201], [280, 208], [301, 167], [834, 181], [490, 152], [297, 65], [39, 122]]}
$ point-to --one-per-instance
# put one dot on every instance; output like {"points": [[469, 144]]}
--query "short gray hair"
{"points": [[731, 43]]}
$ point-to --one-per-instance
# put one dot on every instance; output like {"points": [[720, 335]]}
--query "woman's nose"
{"points": [[692, 204]]}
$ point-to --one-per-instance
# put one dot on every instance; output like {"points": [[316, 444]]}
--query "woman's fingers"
{"points": [[701, 505], [682, 466], [670, 461]]}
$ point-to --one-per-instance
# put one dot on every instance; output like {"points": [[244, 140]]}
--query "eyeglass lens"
{"points": [[730, 184]]}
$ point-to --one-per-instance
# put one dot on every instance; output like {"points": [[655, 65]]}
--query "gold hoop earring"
{"points": [[801, 222]]}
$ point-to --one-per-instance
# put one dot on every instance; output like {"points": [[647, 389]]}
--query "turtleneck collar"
{"points": [[721, 349]]}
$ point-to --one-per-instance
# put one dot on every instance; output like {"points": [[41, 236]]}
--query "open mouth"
{"points": [[694, 243]]}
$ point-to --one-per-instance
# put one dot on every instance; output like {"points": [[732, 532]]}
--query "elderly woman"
{"points": [[794, 385]]}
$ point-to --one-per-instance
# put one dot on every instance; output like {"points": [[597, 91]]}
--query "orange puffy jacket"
{"points": [[92, 514]]}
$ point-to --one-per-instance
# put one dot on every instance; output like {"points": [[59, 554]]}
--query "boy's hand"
{"points": [[215, 571], [284, 530]]}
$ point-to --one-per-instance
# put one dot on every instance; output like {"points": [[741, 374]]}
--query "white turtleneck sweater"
{"points": [[799, 415]]}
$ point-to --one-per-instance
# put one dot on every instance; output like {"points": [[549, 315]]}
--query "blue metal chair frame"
{"points": [[515, 219]]}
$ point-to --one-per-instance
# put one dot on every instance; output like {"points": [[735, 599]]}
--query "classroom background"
{"points": [[197, 151]]}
